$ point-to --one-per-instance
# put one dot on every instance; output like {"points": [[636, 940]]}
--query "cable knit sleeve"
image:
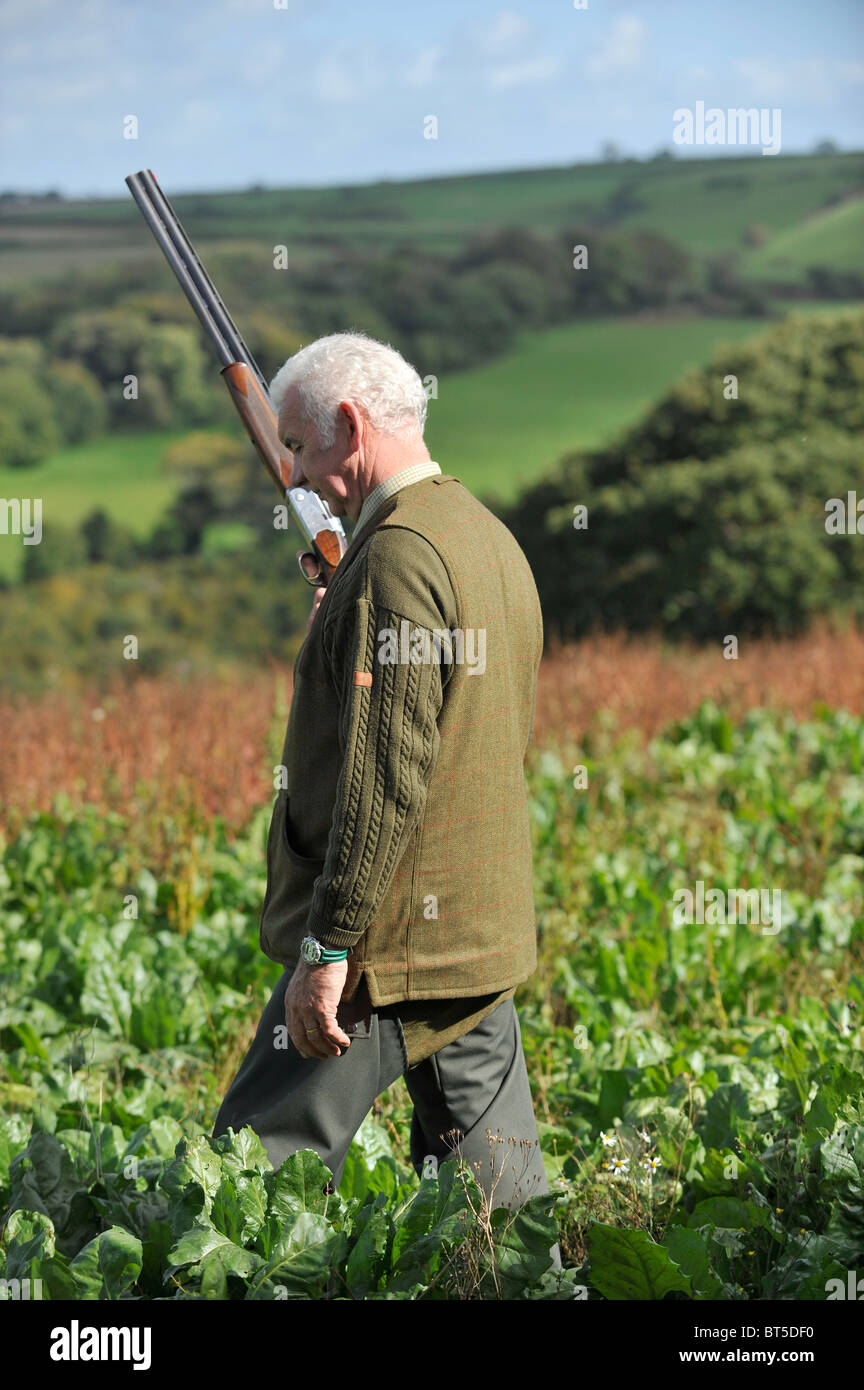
{"points": [[388, 726]]}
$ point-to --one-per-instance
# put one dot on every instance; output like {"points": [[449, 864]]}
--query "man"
{"points": [[399, 866]]}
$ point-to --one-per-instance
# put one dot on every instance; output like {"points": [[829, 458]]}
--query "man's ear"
{"points": [[352, 419]]}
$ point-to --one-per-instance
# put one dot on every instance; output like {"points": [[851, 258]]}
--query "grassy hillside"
{"points": [[502, 425], [120, 473], [832, 238], [496, 427], [706, 205]]}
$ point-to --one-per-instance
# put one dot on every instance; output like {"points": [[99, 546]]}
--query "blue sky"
{"points": [[232, 92]]}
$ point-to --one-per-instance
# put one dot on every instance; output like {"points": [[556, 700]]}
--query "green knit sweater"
{"points": [[402, 830]]}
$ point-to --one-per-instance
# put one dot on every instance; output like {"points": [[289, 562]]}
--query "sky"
{"points": [[227, 93]]}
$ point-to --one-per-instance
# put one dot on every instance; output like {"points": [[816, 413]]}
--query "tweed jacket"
{"points": [[402, 829]]}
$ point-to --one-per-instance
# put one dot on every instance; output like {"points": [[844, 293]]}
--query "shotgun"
{"points": [[321, 531]]}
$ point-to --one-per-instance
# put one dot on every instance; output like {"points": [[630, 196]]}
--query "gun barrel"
{"points": [[195, 270], [194, 280], [178, 265], [243, 377]]}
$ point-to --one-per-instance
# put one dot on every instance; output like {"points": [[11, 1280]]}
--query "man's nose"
{"points": [[297, 479]]}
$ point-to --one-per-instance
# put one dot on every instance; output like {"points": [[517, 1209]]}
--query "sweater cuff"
{"points": [[320, 928]]}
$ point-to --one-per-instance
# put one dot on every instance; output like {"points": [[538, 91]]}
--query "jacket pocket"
{"points": [[291, 879]]}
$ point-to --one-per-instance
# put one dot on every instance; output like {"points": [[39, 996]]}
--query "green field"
{"points": [[833, 239], [497, 427], [697, 1079], [121, 473], [705, 205], [501, 426]]}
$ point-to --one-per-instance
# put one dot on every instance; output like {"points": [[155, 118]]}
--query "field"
{"points": [[566, 389], [698, 1085], [830, 238], [698, 1076], [706, 205], [563, 389]]}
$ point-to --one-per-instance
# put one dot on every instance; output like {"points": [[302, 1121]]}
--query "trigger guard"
{"points": [[316, 580]]}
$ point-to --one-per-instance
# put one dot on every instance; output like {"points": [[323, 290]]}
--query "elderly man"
{"points": [[399, 865]]}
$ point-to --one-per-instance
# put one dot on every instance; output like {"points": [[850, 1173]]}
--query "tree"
{"points": [[709, 515], [183, 528], [107, 543], [221, 462], [79, 403], [165, 360], [28, 427]]}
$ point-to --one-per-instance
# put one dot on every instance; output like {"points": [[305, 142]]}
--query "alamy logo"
{"points": [[20, 1290], [420, 645], [21, 516], [735, 906], [76, 1343], [853, 1288], [738, 126]]}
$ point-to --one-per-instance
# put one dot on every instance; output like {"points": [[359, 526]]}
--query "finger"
{"points": [[334, 1034], [309, 1043], [332, 1028], [328, 1041]]}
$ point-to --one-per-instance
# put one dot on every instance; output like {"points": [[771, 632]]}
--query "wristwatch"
{"points": [[312, 951]]}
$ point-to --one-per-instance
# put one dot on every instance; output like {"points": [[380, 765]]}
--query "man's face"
{"points": [[320, 470]]}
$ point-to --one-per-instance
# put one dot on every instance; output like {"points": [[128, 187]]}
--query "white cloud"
{"points": [[623, 51], [351, 72], [331, 79], [423, 68], [507, 32], [765, 79], [521, 74]]}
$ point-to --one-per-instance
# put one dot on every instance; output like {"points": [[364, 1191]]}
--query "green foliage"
{"points": [[28, 427], [724, 1065], [197, 609], [220, 461], [106, 542], [803, 371], [270, 339], [62, 550], [629, 1265], [44, 401], [78, 401], [166, 359], [710, 516]]}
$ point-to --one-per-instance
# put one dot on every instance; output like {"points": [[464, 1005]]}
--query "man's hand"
{"points": [[311, 1001]]}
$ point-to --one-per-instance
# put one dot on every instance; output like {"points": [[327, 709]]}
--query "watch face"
{"points": [[310, 950]]}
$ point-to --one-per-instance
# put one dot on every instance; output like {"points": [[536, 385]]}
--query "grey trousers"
{"points": [[477, 1083]]}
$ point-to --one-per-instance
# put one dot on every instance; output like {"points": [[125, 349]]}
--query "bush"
{"points": [[79, 403], [106, 542], [60, 550], [28, 427], [806, 369], [710, 516], [166, 358]]}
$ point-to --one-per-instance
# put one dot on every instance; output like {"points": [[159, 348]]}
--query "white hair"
{"points": [[353, 367]]}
